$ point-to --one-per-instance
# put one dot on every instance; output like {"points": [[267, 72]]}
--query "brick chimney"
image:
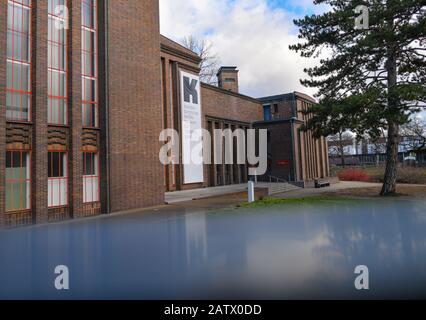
{"points": [[228, 78]]}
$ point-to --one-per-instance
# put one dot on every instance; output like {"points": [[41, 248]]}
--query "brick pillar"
{"points": [[39, 111], [223, 168], [102, 87], [177, 121], [74, 61], [240, 177], [3, 37], [231, 166]]}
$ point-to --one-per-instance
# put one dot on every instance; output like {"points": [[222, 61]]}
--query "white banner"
{"points": [[191, 122]]}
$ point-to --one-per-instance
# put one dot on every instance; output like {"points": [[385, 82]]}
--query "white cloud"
{"points": [[245, 33]]}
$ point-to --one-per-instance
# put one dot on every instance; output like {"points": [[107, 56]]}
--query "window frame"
{"points": [[88, 179], [12, 91], [55, 47], [64, 179], [92, 104], [27, 181]]}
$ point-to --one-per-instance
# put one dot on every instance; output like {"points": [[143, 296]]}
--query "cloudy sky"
{"points": [[251, 34]]}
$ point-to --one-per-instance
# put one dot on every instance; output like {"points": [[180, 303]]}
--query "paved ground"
{"points": [[196, 194], [334, 188], [188, 195], [239, 191]]}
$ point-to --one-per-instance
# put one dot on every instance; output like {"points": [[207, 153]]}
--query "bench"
{"points": [[322, 184]]}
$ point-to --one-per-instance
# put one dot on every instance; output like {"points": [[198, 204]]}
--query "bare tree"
{"points": [[209, 61], [338, 143], [375, 145], [414, 134]]}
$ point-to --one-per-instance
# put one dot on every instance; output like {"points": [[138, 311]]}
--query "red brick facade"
{"points": [[134, 99], [294, 155], [139, 96], [220, 109], [129, 105], [3, 48]]}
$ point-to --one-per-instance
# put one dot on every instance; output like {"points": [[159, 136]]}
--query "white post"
{"points": [[250, 191]]}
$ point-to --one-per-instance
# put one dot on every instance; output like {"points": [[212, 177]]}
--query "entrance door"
{"points": [[267, 116]]}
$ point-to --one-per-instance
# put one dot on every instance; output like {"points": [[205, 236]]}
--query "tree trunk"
{"points": [[389, 185]]}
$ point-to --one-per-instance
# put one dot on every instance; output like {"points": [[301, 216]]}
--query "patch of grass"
{"points": [[297, 201]]}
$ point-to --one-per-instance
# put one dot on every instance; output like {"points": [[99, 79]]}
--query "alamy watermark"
{"points": [[224, 147], [362, 22], [362, 281], [61, 14], [62, 280]]}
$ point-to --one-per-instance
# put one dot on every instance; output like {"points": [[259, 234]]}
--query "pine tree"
{"points": [[373, 78]]}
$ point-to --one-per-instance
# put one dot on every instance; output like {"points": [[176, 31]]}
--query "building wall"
{"points": [[174, 58], [314, 160], [307, 155], [228, 79], [220, 109], [39, 112], [281, 110], [220, 103], [135, 120], [138, 97], [39, 137], [280, 144], [129, 105], [223, 109], [3, 37]]}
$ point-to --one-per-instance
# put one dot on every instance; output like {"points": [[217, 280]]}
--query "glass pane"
{"points": [[17, 181], [18, 46], [18, 76], [17, 106], [90, 115], [56, 56], [56, 83], [88, 13], [90, 189], [56, 33], [57, 111], [9, 75], [90, 177], [88, 41], [10, 7], [24, 2], [19, 18], [90, 164], [53, 4], [89, 90], [57, 164]]}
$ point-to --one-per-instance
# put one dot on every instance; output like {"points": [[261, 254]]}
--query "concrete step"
{"points": [[277, 188]]}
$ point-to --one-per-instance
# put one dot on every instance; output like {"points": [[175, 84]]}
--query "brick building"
{"points": [[78, 109], [84, 99], [293, 155], [221, 108]]}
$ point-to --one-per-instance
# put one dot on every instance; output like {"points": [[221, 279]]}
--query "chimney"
{"points": [[228, 78]]}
